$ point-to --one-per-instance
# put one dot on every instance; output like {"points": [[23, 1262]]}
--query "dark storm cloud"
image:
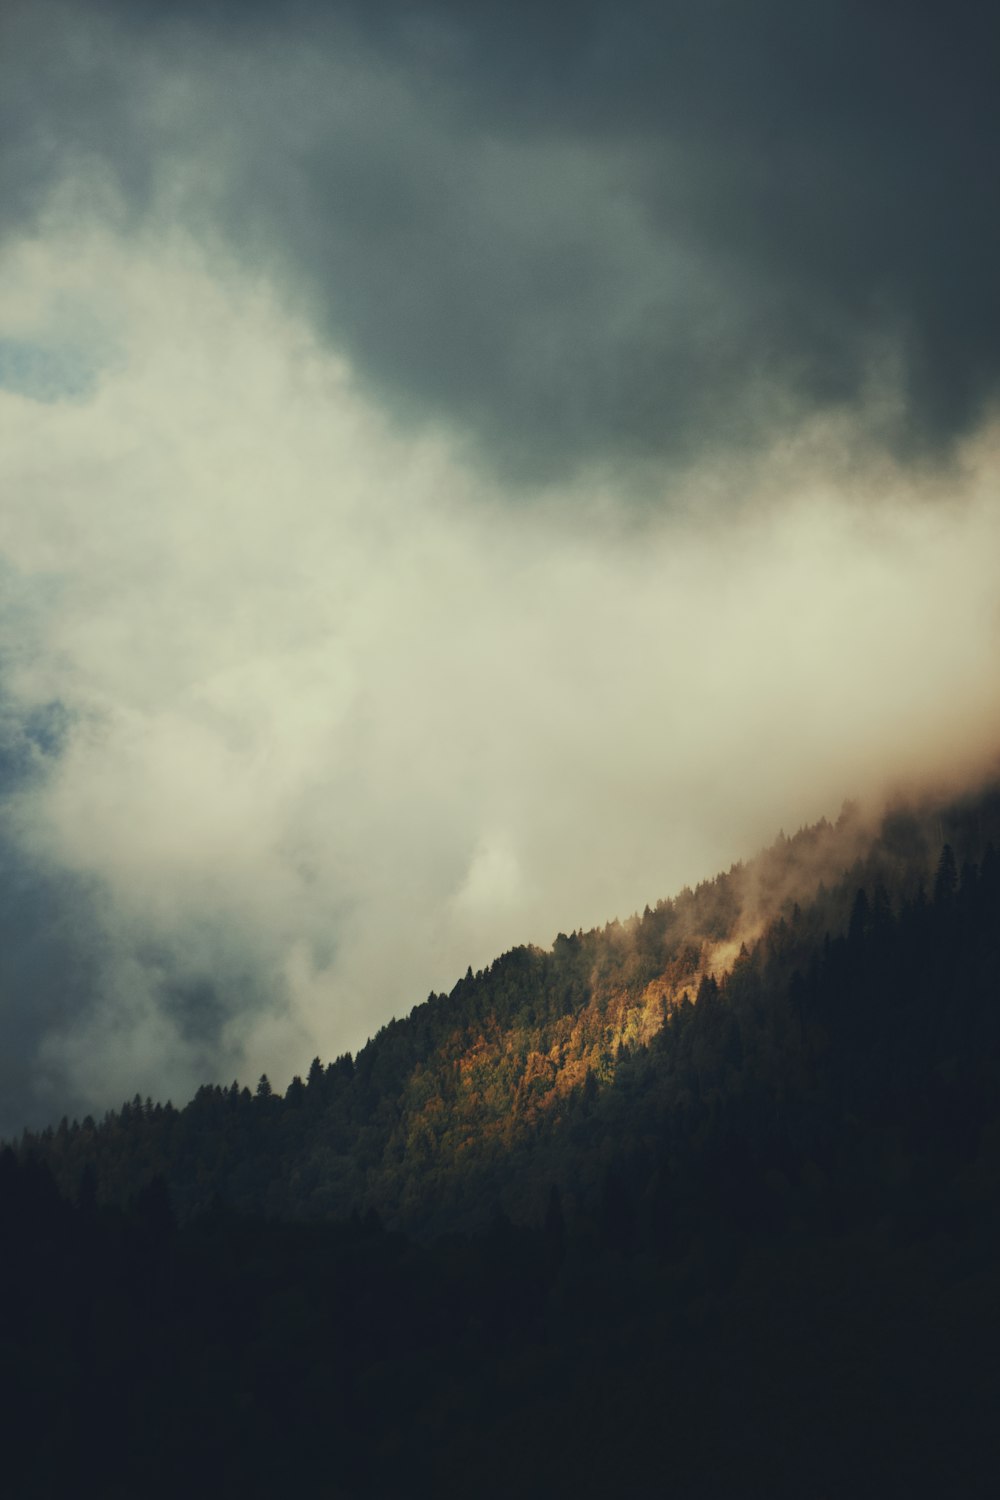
{"points": [[62, 950], [585, 231], [47, 940]]}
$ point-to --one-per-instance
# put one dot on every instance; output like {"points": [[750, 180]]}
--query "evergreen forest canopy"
{"points": [[727, 1173]]}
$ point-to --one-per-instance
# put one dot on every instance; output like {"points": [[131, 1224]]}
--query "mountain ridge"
{"points": [[427, 1123]]}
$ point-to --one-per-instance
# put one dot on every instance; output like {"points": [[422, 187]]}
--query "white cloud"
{"points": [[348, 718]]}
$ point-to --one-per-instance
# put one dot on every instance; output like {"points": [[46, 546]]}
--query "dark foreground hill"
{"points": [[708, 1203]]}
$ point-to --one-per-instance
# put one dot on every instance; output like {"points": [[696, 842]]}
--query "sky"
{"points": [[466, 472]]}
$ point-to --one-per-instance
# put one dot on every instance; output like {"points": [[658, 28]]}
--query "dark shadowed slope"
{"points": [[744, 1244], [758, 1232]]}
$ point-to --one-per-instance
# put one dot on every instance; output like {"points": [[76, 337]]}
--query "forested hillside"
{"points": [[706, 1202], [549, 1066]]}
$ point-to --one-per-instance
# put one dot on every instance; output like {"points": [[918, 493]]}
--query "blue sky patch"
{"points": [[45, 372]]}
